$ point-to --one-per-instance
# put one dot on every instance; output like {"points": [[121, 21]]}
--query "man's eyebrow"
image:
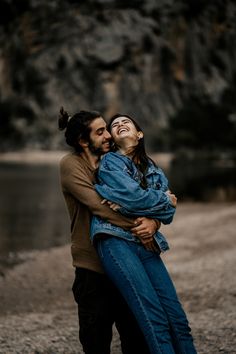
{"points": [[100, 129]]}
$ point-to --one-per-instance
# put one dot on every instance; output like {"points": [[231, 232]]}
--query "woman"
{"points": [[129, 178]]}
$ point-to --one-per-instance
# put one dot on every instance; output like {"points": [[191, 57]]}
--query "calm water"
{"points": [[203, 179], [33, 213], [32, 210]]}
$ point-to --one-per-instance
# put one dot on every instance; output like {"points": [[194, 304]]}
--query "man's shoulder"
{"points": [[72, 160]]}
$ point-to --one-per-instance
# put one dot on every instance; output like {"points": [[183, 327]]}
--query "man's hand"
{"points": [[151, 245], [145, 227]]}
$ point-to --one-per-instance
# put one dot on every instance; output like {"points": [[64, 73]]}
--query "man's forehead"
{"points": [[97, 124]]}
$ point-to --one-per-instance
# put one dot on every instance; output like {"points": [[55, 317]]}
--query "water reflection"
{"points": [[32, 210], [203, 178]]}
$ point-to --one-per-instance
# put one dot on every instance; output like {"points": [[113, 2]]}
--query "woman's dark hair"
{"points": [[139, 156], [77, 127]]}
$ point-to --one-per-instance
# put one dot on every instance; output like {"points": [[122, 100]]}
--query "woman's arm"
{"points": [[118, 186]]}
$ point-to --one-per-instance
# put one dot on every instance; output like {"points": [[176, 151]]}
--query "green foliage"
{"points": [[203, 124], [16, 118]]}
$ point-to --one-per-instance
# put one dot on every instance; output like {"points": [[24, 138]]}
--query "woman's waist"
{"points": [[100, 226]]}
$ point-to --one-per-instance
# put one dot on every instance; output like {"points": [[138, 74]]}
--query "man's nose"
{"points": [[107, 134]]}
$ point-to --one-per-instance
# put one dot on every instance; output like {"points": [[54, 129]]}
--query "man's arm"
{"points": [[76, 181]]}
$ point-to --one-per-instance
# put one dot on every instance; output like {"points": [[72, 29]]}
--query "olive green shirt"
{"points": [[77, 178]]}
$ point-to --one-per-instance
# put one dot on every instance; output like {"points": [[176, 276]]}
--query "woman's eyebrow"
{"points": [[114, 124], [123, 121]]}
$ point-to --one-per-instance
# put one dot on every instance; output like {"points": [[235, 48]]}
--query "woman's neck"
{"points": [[127, 148], [127, 152]]}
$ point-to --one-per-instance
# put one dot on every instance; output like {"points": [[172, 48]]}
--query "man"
{"points": [[99, 302]]}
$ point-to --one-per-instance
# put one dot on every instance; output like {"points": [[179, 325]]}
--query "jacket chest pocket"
{"points": [[154, 182], [134, 174]]}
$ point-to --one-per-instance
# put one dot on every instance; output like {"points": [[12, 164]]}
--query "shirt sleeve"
{"points": [[118, 186], [76, 181]]}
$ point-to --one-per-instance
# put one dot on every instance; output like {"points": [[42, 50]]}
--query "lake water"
{"points": [[203, 179], [33, 213], [32, 209]]}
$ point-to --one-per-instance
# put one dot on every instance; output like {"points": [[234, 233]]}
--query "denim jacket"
{"points": [[119, 181]]}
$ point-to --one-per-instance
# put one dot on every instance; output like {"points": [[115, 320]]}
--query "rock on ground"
{"points": [[38, 314]]}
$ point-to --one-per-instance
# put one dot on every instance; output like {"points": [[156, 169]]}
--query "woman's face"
{"points": [[122, 129]]}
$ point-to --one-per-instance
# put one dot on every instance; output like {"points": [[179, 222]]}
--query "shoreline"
{"points": [[32, 157], [53, 157]]}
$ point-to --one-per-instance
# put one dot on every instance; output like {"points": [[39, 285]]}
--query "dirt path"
{"points": [[38, 315]]}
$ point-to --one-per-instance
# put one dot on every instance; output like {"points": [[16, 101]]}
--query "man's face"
{"points": [[100, 138]]}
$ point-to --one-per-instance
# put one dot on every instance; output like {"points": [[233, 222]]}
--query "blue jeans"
{"points": [[144, 282], [100, 305]]}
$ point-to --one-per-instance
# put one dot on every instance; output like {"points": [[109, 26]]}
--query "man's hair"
{"points": [[77, 127]]}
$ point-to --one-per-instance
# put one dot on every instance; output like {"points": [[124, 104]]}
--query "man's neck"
{"points": [[91, 158]]}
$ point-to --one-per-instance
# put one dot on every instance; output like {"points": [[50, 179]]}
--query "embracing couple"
{"points": [[117, 199]]}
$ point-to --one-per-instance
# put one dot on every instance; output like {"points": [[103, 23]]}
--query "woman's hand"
{"points": [[172, 197]]}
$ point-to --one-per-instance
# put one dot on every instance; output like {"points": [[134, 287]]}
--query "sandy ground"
{"points": [[38, 314]]}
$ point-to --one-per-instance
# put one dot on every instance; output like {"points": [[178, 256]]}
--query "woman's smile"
{"points": [[122, 129]]}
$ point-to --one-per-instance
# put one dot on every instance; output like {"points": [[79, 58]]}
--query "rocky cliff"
{"points": [[152, 59]]}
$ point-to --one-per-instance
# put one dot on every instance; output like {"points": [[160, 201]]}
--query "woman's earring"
{"points": [[140, 135]]}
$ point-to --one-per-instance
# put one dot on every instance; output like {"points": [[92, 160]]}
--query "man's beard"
{"points": [[98, 151]]}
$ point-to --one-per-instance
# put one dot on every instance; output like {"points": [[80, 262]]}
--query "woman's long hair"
{"points": [[139, 155]]}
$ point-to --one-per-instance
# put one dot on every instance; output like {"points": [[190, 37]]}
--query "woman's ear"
{"points": [[140, 135]]}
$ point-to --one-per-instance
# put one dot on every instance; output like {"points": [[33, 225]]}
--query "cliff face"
{"points": [[146, 58]]}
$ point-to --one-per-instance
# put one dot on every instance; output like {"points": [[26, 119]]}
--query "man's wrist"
{"points": [[158, 223]]}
